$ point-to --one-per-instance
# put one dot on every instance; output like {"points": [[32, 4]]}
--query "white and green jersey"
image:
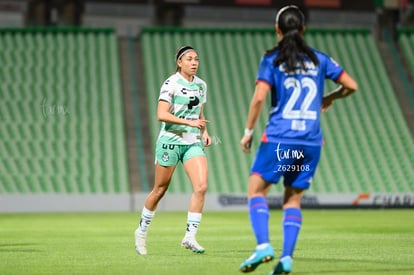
{"points": [[186, 99]]}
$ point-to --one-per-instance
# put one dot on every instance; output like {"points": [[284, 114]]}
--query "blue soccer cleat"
{"points": [[283, 267], [258, 257]]}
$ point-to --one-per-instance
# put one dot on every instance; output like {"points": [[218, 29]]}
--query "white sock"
{"points": [[145, 222], [193, 221]]}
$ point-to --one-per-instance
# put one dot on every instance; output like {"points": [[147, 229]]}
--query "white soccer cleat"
{"points": [[140, 243], [192, 244]]}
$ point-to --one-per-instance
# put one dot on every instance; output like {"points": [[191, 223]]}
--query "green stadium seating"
{"points": [[369, 147], [406, 42], [62, 127]]}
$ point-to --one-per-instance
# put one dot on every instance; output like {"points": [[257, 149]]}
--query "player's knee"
{"points": [[200, 188], [159, 192]]}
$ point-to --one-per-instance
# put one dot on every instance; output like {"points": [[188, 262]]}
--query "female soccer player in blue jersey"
{"points": [[294, 74], [182, 138]]}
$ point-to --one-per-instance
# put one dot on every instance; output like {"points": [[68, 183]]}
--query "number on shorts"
{"points": [[168, 146]]}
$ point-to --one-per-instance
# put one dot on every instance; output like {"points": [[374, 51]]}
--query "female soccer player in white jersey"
{"points": [[182, 138], [294, 74]]}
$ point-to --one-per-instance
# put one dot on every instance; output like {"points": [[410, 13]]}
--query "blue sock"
{"points": [[292, 221], [259, 219]]}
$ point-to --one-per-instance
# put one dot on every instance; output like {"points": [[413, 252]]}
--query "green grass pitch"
{"points": [[331, 242]]}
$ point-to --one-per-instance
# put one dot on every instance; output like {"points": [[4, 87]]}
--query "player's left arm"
{"points": [[206, 136], [347, 87]]}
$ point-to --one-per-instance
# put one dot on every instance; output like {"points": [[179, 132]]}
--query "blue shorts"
{"points": [[296, 163]]}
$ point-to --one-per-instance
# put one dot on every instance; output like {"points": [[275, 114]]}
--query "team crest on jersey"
{"points": [[201, 90], [165, 157]]}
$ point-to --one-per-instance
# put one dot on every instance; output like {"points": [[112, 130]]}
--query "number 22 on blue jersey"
{"points": [[298, 116]]}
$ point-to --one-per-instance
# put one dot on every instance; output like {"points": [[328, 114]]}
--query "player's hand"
{"points": [[246, 143], [327, 102], [199, 123], [206, 140]]}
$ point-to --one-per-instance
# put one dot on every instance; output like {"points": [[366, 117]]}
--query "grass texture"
{"points": [[331, 242]]}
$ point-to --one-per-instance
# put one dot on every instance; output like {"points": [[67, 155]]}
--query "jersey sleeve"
{"points": [[265, 72], [333, 69], [204, 89], [166, 91]]}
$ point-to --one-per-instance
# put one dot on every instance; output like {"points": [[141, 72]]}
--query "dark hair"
{"points": [[181, 51], [293, 48]]}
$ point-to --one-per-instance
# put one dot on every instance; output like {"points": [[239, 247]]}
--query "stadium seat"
{"points": [[406, 41]]}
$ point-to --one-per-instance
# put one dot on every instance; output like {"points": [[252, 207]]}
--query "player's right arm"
{"points": [[256, 106], [347, 87]]}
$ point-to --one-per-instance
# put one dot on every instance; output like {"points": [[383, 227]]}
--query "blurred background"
{"points": [[80, 82]]}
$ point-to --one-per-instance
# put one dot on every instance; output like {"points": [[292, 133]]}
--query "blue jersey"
{"points": [[296, 99]]}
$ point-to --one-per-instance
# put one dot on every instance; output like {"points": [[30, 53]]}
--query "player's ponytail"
{"points": [[292, 48]]}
